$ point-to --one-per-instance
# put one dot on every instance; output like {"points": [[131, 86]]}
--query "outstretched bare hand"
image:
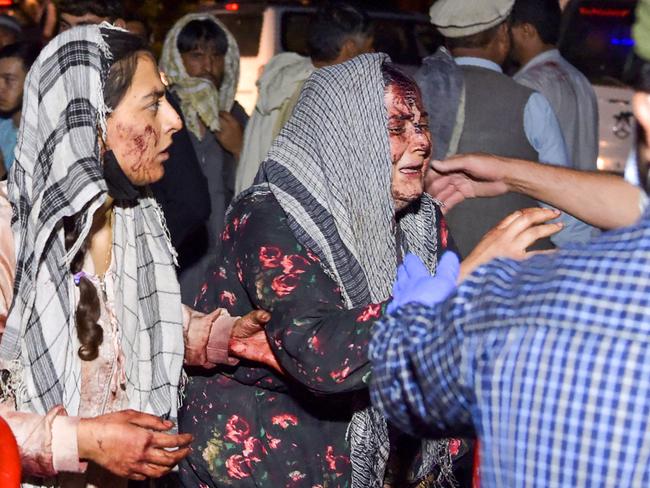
{"points": [[511, 238], [466, 176], [131, 444]]}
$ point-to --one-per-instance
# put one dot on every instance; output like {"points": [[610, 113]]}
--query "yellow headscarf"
{"points": [[199, 98]]}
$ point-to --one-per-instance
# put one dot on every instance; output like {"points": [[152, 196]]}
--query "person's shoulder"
{"points": [[258, 199]]}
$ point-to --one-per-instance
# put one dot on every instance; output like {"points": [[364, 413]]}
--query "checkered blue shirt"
{"points": [[548, 361]]}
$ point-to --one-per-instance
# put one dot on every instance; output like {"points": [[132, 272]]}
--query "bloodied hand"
{"points": [[139, 130]]}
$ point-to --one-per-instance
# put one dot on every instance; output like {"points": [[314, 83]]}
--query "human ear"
{"points": [[348, 49]]}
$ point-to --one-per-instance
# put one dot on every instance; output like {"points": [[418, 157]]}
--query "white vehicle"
{"points": [[264, 29], [596, 38]]}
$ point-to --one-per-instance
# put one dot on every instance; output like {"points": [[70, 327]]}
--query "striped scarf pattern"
{"points": [[57, 174], [330, 170]]}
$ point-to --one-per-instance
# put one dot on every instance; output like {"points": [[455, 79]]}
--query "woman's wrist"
{"points": [[85, 439]]}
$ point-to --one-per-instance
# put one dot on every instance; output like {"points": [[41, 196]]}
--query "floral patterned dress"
{"points": [[253, 427]]}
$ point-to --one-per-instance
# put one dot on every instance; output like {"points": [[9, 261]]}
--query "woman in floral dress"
{"points": [[317, 243]]}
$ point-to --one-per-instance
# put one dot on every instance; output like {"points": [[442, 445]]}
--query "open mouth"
{"points": [[412, 170]]}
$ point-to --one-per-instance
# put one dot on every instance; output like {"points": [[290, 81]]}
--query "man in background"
{"points": [[15, 61], [492, 114], [338, 32], [534, 27], [10, 30]]}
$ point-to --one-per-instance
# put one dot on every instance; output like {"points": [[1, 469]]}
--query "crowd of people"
{"points": [[361, 284]]}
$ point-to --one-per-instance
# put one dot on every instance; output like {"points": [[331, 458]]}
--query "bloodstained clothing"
{"points": [[253, 427]]}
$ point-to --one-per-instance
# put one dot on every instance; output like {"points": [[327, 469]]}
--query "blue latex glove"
{"points": [[415, 284]]}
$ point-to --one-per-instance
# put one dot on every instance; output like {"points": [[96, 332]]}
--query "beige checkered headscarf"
{"points": [[200, 99]]}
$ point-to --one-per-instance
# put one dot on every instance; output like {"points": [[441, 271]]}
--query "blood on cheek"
{"points": [[139, 149]]}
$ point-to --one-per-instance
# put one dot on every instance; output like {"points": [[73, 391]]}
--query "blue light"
{"points": [[621, 41]]}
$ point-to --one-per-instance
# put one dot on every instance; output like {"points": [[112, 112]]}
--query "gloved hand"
{"points": [[415, 284]]}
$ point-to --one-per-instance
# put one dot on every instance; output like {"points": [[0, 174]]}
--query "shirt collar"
{"points": [[541, 58], [480, 62]]}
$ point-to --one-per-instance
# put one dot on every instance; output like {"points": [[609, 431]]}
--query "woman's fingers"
{"points": [[151, 471], [261, 317], [148, 421], [161, 457], [162, 440]]}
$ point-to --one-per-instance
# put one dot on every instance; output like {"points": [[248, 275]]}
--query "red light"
{"points": [[6, 3], [232, 7], [604, 12]]}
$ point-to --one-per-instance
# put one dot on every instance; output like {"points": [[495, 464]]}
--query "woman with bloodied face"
{"points": [[95, 340], [317, 242]]}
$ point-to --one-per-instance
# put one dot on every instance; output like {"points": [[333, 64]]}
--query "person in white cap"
{"points": [[493, 114]]}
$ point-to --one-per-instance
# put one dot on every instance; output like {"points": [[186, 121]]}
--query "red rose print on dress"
{"points": [[253, 449], [294, 264], [314, 344], [336, 463], [284, 285], [295, 479], [444, 233], [339, 376], [270, 257], [273, 442], [454, 447], [284, 420], [372, 311], [237, 429], [313, 257], [225, 235], [228, 298], [238, 467]]}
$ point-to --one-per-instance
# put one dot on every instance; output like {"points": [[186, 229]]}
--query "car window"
{"points": [[246, 28], [597, 39], [406, 41]]}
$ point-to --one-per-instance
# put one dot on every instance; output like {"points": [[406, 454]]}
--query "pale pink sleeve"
{"points": [[47, 443], [7, 257], [220, 332], [213, 340]]}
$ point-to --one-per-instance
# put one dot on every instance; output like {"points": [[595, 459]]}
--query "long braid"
{"points": [[89, 332]]}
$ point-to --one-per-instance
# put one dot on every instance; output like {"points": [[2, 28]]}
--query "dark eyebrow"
{"points": [[156, 94]]}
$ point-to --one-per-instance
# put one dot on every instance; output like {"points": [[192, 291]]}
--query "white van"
{"points": [[264, 29], [596, 38]]}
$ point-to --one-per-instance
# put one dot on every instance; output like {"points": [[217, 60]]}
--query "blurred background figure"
{"points": [[139, 25], [201, 60], [86, 12], [10, 30], [15, 61], [39, 19], [338, 32], [535, 30]]}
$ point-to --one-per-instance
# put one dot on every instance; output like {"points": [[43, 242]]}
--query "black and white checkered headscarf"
{"points": [[330, 170], [58, 173]]}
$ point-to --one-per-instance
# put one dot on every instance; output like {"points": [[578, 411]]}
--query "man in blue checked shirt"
{"points": [[546, 361]]}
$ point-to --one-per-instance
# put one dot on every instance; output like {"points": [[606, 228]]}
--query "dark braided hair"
{"points": [[125, 49]]}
